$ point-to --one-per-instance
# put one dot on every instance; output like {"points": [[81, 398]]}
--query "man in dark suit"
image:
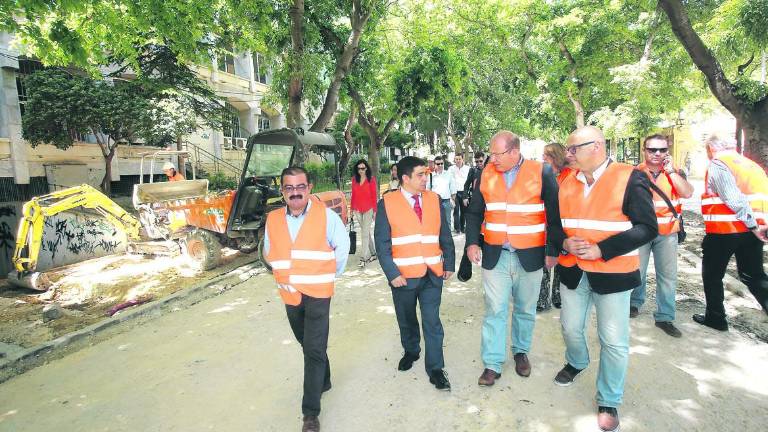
{"points": [[416, 253], [516, 203]]}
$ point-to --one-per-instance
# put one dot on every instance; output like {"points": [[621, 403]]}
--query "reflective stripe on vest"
{"points": [[516, 215], [668, 224], [598, 216], [415, 244], [306, 265], [751, 181]]}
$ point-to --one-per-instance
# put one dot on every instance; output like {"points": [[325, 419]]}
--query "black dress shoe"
{"points": [[407, 361], [703, 320], [440, 380]]}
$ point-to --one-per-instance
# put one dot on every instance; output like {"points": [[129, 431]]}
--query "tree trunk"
{"points": [[373, 157], [739, 143], [577, 108], [358, 19], [296, 85], [349, 143], [575, 99], [182, 164], [756, 139], [753, 117], [106, 182]]}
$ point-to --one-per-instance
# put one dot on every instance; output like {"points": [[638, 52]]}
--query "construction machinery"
{"points": [[182, 216]]}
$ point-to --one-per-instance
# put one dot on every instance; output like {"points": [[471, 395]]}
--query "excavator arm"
{"points": [[34, 212]]}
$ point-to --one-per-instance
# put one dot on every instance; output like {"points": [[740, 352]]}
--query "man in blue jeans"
{"points": [[672, 182], [515, 204], [607, 214]]}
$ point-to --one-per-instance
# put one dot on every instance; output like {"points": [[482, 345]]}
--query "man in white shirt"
{"points": [[444, 185], [459, 171]]}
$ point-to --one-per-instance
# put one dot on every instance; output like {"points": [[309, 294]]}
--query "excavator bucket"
{"points": [[35, 280]]}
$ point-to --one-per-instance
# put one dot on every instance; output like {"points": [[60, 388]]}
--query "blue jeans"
{"points": [[664, 248], [612, 330], [508, 278], [446, 205]]}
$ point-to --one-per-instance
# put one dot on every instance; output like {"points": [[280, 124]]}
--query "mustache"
{"points": [[296, 197]]}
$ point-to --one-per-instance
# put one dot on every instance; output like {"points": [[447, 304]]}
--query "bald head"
{"points": [[505, 150], [586, 148], [509, 139], [584, 134]]}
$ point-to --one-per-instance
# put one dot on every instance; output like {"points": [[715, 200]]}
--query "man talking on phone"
{"points": [[672, 182]]}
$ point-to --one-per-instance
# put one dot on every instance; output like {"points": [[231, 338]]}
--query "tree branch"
{"points": [[702, 57]]}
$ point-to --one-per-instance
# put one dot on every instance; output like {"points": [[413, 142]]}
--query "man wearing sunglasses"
{"points": [[515, 206], [661, 171], [607, 214], [307, 246]]}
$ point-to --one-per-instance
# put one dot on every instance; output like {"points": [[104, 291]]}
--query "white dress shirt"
{"points": [[459, 174], [595, 176], [443, 184]]}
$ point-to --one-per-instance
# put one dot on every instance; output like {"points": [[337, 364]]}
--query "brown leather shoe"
{"points": [[488, 378], [607, 419], [311, 424], [522, 365]]}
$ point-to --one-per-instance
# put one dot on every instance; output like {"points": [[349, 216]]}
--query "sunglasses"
{"points": [[661, 150], [361, 168], [572, 149], [438, 163]]}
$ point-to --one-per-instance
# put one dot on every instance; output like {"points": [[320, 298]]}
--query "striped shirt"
{"points": [[723, 183]]}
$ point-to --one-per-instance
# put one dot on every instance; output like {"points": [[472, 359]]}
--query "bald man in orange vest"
{"points": [[416, 252], [607, 214]]}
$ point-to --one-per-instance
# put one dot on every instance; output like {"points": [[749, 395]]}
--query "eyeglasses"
{"points": [[298, 188], [361, 168], [438, 163], [661, 150], [498, 155], [572, 149]]}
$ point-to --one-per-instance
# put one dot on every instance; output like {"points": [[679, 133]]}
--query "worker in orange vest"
{"points": [[416, 253], [170, 171], [307, 247], [607, 214], [673, 184], [734, 207], [515, 208]]}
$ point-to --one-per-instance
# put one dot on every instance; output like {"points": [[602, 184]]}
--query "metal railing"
{"points": [[205, 160]]}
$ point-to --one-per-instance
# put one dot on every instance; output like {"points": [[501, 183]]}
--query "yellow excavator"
{"points": [[32, 224]]}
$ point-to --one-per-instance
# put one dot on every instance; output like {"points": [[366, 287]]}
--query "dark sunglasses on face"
{"points": [[438, 163], [661, 150], [361, 168]]}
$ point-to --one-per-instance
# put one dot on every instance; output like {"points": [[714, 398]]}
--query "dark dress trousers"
{"points": [[425, 291]]}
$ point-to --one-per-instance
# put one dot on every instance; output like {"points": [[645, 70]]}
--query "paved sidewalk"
{"points": [[230, 363]]}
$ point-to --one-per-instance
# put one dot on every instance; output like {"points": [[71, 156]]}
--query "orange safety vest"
{"points": [[668, 224], [305, 265], [516, 215], [597, 216], [415, 244], [563, 174], [751, 181]]}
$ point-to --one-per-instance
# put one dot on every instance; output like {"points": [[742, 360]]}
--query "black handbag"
{"points": [[681, 235], [352, 236]]}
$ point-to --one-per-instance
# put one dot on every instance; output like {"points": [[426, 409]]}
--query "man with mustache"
{"points": [[307, 246]]}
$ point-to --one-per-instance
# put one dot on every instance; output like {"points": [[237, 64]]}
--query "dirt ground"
{"points": [[230, 363], [87, 290]]}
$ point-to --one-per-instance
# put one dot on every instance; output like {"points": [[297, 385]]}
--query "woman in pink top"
{"points": [[364, 196]]}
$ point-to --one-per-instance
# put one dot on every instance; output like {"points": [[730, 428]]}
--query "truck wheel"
{"points": [[262, 255], [204, 249]]}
